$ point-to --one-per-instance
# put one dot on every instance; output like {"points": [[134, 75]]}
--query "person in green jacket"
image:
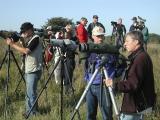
{"points": [[145, 33]]}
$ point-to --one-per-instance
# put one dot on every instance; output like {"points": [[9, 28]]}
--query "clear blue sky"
{"points": [[14, 12]]}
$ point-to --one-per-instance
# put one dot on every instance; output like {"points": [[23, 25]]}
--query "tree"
{"points": [[57, 23]]}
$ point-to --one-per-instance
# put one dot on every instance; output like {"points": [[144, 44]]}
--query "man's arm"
{"points": [[18, 48], [25, 50], [101, 25]]}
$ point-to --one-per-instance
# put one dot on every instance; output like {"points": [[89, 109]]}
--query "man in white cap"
{"points": [[96, 93]]}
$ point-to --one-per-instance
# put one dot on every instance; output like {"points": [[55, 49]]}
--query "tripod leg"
{"points": [[68, 76], [70, 84], [85, 92], [101, 90], [61, 92], [6, 83], [42, 84], [19, 82], [112, 95], [19, 69], [6, 86], [41, 91], [3, 59]]}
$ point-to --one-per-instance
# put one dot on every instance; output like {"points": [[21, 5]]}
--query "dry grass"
{"points": [[49, 102]]}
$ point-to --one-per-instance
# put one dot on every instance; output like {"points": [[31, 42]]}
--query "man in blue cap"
{"points": [[93, 24]]}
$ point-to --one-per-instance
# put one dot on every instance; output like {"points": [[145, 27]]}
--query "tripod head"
{"points": [[104, 60]]}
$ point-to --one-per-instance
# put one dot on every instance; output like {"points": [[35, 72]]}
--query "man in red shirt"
{"points": [[82, 34]]}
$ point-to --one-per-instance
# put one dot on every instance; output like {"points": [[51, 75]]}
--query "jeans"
{"points": [[31, 86], [134, 116], [93, 99]]}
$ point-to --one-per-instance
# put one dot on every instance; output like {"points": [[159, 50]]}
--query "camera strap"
{"points": [[29, 41]]}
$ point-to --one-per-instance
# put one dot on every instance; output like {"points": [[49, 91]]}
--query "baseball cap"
{"points": [[134, 18], [95, 16], [97, 30], [26, 26]]}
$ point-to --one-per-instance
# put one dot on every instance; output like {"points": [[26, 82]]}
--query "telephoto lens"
{"points": [[15, 37]]}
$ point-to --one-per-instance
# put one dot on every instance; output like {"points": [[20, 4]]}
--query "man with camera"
{"points": [[138, 82], [139, 25], [119, 30], [33, 62], [134, 25]]}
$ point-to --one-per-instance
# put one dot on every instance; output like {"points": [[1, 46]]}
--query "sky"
{"points": [[15, 12]]}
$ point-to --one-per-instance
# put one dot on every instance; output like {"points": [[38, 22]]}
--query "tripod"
{"points": [[101, 66], [62, 59], [7, 56]]}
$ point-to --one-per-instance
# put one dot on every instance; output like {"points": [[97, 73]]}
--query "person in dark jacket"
{"points": [[145, 33], [120, 33], [138, 84], [92, 25]]}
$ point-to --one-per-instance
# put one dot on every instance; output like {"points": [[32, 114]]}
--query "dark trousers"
{"points": [[70, 66]]}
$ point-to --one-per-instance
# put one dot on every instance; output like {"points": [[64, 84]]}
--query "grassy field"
{"points": [[49, 101]]}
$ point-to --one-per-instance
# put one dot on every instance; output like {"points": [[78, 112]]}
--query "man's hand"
{"points": [[9, 41], [108, 82]]}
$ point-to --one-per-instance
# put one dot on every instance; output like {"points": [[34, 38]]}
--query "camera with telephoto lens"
{"points": [[15, 37], [113, 23], [12, 35], [64, 44], [44, 32], [56, 28]]}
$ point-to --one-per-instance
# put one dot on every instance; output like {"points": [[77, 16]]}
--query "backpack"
{"points": [[48, 53]]}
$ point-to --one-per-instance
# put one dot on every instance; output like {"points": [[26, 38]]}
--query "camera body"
{"points": [[15, 37], [113, 23]]}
